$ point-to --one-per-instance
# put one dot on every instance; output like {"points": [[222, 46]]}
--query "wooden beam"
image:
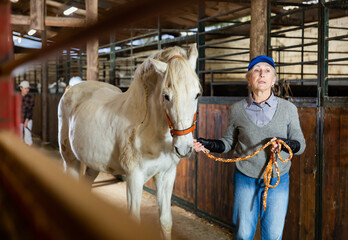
{"points": [[37, 15], [50, 21], [258, 28], [63, 6], [93, 43]]}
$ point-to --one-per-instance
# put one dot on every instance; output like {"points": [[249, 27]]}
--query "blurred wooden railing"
{"points": [[39, 201]]}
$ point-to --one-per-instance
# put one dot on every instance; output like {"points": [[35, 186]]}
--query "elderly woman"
{"points": [[252, 123]]}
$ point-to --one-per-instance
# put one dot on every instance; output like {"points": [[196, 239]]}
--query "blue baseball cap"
{"points": [[261, 58]]}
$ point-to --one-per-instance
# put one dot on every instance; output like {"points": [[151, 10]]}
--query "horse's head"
{"points": [[179, 92]]}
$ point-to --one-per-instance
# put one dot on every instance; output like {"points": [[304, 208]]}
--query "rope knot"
{"points": [[269, 168]]}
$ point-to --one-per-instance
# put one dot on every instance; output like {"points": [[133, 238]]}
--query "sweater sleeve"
{"points": [[230, 136], [294, 129]]}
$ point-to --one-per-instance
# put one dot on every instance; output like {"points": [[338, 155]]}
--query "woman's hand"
{"points": [[197, 146], [275, 145], [26, 122]]}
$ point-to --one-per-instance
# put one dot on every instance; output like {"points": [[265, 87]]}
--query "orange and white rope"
{"points": [[268, 172]]}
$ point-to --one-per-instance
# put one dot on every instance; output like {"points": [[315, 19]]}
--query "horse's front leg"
{"points": [[135, 182], [164, 184]]}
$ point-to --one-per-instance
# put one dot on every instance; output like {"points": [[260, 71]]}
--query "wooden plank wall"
{"points": [[335, 200], [213, 195]]}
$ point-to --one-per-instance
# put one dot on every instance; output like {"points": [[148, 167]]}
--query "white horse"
{"points": [[128, 133]]}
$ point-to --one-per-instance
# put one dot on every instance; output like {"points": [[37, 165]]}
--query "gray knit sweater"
{"points": [[243, 137]]}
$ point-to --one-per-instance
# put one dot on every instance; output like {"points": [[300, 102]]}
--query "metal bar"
{"points": [[336, 60], [292, 37], [127, 40], [225, 55], [302, 41], [294, 29], [131, 52], [222, 42], [337, 37], [314, 6], [220, 30], [211, 84], [223, 14], [159, 33], [112, 59], [224, 70], [231, 48], [44, 96], [201, 50], [295, 46], [322, 90]]}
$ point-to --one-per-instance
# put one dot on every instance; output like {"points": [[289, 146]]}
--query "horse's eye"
{"points": [[198, 95], [166, 97]]}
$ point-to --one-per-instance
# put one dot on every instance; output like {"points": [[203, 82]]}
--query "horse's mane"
{"points": [[145, 76]]}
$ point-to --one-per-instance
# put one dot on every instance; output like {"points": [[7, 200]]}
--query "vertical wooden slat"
{"points": [[92, 44]]}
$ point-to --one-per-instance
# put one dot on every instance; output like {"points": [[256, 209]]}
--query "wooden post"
{"points": [[44, 93], [92, 44], [112, 60], [258, 28], [37, 15]]}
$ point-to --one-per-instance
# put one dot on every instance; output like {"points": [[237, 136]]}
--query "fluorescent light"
{"points": [[31, 32], [290, 7], [14, 1], [70, 11]]}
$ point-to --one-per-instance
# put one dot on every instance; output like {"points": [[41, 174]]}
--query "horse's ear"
{"points": [[193, 55], [159, 66]]}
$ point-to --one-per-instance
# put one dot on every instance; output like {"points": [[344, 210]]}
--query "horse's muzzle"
{"points": [[183, 153]]}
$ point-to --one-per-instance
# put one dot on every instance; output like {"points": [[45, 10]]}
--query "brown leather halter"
{"points": [[182, 132], [187, 130]]}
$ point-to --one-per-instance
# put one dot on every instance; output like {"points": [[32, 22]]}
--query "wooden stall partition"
{"points": [[300, 220], [335, 183], [214, 179], [184, 186], [53, 101], [37, 116]]}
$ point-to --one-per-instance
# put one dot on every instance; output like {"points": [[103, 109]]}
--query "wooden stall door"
{"points": [[335, 194]]}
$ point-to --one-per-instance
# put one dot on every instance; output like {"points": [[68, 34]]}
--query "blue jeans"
{"points": [[248, 194]]}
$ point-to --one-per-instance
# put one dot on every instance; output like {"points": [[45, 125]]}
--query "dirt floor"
{"points": [[186, 225]]}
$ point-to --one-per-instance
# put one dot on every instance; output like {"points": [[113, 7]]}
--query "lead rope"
{"points": [[268, 172]]}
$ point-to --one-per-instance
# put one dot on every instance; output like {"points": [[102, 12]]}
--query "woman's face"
{"points": [[262, 77], [24, 91]]}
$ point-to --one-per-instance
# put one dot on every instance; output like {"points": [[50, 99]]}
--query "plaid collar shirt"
{"points": [[27, 107]]}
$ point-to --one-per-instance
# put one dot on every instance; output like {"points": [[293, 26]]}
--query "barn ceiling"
{"points": [[183, 18]]}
